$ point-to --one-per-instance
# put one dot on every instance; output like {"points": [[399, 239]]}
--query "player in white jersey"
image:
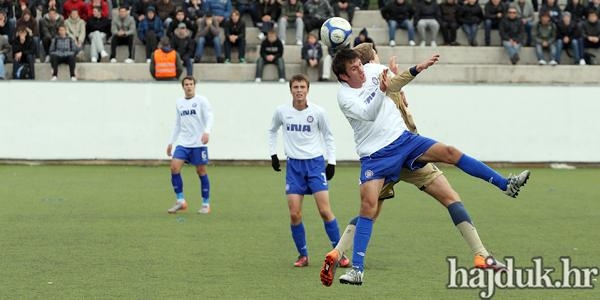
{"points": [[194, 120], [385, 146], [304, 125]]}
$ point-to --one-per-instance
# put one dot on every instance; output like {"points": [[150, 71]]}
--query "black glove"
{"points": [[329, 171], [275, 163]]}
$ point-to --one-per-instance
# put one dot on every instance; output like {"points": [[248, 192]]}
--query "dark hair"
{"points": [[189, 77], [123, 7], [299, 77], [341, 59]]}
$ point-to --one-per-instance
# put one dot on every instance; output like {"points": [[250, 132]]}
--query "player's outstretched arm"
{"points": [[428, 63]]}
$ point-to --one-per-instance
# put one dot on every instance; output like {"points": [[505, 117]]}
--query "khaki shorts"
{"points": [[420, 178]]}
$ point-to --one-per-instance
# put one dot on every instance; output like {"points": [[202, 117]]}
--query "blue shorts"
{"points": [[194, 156], [305, 176], [387, 162]]}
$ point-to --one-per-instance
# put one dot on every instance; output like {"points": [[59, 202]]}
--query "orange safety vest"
{"points": [[165, 64]]}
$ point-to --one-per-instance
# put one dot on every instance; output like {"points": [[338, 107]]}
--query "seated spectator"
{"points": [[398, 14], [78, 5], [5, 27], [494, 11], [192, 10], [123, 31], [49, 29], [63, 50], [271, 52], [590, 31], [449, 21], [32, 29], [427, 16], [470, 16], [594, 5], [4, 50], [76, 30], [511, 33], [219, 9], [102, 4], [577, 10], [140, 8], [551, 7], [312, 57], [316, 12], [545, 38], [292, 12], [567, 35], [208, 34], [150, 31], [98, 31], [180, 18], [346, 6], [23, 51], [268, 11], [525, 14], [235, 35], [363, 37], [249, 7], [166, 11], [184, 44], [165, 63]]}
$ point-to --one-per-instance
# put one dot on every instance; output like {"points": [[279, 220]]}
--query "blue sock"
{"points": [[333, 232], [353, 221], [364, 227], [177, 183], [458, 213], [299, 239], [478, 169], [205, 188]]}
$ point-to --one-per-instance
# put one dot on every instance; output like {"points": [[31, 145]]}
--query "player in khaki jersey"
{"points": [[428, 179]]}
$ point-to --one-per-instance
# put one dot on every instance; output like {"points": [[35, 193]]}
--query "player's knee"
{"points": [[295, 217], [326, 214], [452, 154], [175, 169], [201, 171]]}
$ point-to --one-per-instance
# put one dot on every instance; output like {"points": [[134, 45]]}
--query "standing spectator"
{"points": [[123, 31], [363, 37], [52, 4], [594, 5], [208, 34], [292, 12], [140, 8], [551, 7], [427, 16], [183, 43], [449, 21], [567, 35], [23, 51], [71, 5], [32, 29], [102, 4], [98, 31], [511, 33], [590, 32], [235, 35], [165, 63], [180, 18], [166, 11], [577, 10], [494, 11], [312, 57], [5, 27], [4, 50], [269, 13], [340, 6], [525, 14], [49, 28], [470, 16], [76, 30], [63, 50], [150, 31], [316, 12], [398, 14], [249, 7], [271, 52], [220, 9], [545, 38], [193, 10]]}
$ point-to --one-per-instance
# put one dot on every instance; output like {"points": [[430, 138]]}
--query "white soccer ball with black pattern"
{"points": [[336, 32]]}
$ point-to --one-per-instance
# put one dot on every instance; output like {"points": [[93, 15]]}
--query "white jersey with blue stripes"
{"points": [[194, 118]]}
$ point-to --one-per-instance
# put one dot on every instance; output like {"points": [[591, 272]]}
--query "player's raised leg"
{"points": [[177, 182], [297, 227]]}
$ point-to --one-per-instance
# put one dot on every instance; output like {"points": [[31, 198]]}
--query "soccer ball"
{"points": [[336, 32]]}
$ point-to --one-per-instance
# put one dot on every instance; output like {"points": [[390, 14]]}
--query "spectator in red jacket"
{"points": [[78, 5], [96, 3]]}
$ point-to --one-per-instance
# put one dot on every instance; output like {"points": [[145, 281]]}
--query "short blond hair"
{"points": [[365, 52]]}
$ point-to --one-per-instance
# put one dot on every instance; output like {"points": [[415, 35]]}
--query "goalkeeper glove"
{"points": [[275, 163]]}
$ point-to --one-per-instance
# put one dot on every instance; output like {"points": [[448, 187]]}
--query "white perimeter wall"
{"points": [[43, 120]]}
